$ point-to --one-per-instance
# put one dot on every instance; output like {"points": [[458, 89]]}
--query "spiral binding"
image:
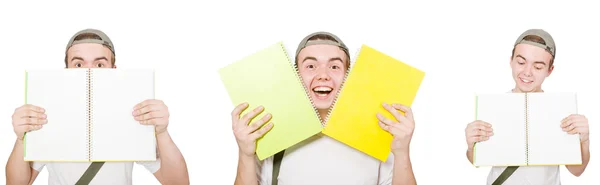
{"points": [[526, 129], [335, 99], [89, 115], [297, 73]]}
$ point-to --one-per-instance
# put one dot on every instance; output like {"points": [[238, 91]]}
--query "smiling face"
{"points": [[322, 68], [530, 66]]}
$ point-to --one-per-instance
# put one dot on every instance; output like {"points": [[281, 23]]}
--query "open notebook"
{"points": [[527, 129], [374, 79], [268, 78], [90, 115]]}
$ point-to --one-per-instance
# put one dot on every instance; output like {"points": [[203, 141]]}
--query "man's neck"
{"points": [[323, 115]]}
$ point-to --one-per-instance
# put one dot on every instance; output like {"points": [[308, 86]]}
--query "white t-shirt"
{"points": [[114, 173], [526, 175], [323, 160]]}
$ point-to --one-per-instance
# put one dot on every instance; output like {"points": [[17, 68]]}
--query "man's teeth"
{"points": [[323, 89], [526, 81]]}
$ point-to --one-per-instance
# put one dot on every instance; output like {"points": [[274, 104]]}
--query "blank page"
{"points": [[63, 94], [548, 143], [506, 113], [117, 136]]}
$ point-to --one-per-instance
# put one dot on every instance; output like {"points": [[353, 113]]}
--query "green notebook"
{"points": [[268, 78]]}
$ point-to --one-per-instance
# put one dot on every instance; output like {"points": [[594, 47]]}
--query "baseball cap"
{"points": [[549, 42], [305, 42], [104, 40]]}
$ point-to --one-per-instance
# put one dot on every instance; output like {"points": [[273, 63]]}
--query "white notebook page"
{"points": [[117, 136], [548, 143], [506, 113], [62, 93]]}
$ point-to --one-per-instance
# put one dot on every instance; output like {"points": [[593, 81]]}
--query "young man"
{"points": [[532, 61], [93, 49], [322, 60]]}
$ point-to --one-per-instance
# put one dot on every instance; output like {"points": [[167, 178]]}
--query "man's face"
{"points": [[530, 67], [89, 55], [322, 68]]}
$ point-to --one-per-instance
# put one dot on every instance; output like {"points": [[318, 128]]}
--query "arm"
{"points": [[402, 130], [246, 171], [577, 170], [477, 131], [173, 169], [25, 118], [578, 124], [18, 171], [403, 173]]}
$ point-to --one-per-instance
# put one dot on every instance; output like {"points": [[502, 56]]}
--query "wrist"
{"points": [[401, 152]]}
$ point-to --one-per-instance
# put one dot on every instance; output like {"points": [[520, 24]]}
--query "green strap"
{"points": [[505, 174], [89, 174], [276, 165]]}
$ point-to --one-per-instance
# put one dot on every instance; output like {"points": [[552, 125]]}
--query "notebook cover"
{"points": [[268, 78], [375, 78]]}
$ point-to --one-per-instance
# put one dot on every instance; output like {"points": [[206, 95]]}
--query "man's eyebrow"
{"points": [[309, 58], [76, 58], [335, 58], [100, 58]]}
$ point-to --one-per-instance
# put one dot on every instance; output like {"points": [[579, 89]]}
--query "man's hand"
{"points": [[28, 118], [577, 124], [152, 112], [402, 129], [246, 135], [477, 131]]}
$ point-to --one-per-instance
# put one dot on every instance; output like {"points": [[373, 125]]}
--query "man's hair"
{"points": [[88, 36], [537, 39], [329, 38]]}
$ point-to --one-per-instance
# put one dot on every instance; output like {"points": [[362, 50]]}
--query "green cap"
{"points": [[549, 42], [338, 42], [104, 40]]}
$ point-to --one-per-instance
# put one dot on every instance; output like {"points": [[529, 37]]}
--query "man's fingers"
{"points": [[385, 120], [33, 121], [235, 114], [33, 114], [257, 124], [251, 115], [151, 115], [146, 103], [144, 110], [401, 118], [261, 132], [28, 128], [481, 127], [407, 110]]}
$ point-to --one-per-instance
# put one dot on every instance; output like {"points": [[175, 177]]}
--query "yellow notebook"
{"points": [[375, 78], [268, 78]]}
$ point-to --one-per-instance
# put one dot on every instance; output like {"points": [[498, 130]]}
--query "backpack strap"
{"points": [[276, 166], [505, 174], [89, 174]]}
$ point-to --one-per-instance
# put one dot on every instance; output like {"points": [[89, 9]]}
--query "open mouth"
{"points": [[525, 81], [322, 91]]}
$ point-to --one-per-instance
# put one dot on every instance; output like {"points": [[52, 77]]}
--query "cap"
{"points": [[338, 42], [104, 40], [549, 46]]}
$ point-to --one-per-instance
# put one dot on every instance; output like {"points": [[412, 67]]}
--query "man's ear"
{"points": [[550, 69]]}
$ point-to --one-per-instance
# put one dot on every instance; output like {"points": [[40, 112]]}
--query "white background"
{"points": [[464, 47]]}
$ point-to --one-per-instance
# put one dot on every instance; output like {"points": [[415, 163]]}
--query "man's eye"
{"points": [[78, 65], [100, 65]]}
